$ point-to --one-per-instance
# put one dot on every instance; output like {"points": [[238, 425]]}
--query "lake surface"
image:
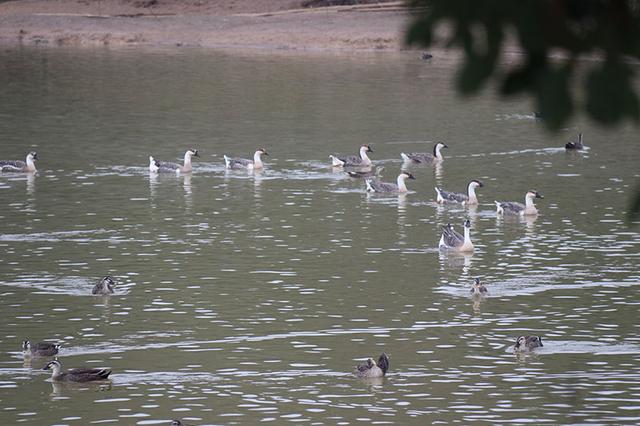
{"points": [[246, 298]]}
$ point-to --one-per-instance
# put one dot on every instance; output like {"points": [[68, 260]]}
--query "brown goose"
{"points": [[17, 166]]}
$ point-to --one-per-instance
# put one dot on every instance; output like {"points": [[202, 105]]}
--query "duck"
{"points": [[79, 375], [478, 288], [243, 163], [168, 167], [372, 369], [176, 422], [526, 209], [425, 157], [467, 199], [17, 166], [105, 287], [352, 160], [527, 343], [374, 185], [40, 348], [577, 145], [358, 174], [452, 240]]}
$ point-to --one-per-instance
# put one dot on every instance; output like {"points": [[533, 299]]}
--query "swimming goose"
{"points": [[452, 240], [39, 349], [168, 167], [243, 163], [388, 188], [17, 166], [365, 173], [371, 369], [478, 288], [456, 197], [352, 160], [527, 343], [425, 157], [526, 209], [575, 145], [105, 287], [76, 374]]}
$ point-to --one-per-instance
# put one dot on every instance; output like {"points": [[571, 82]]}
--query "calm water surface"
{"points": [[248, 298]]}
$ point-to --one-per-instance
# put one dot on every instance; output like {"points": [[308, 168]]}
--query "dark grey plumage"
{"points": [[527, 343], [105, 287], [371, 369], [478, 288], [451, 237], [40, 348], [577, 145], [78, 375], [17, 166]]}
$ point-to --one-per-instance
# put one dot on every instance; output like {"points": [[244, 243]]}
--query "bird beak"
{"points": [[196, 154], [369, 149], [445, 146], [411, 176], [480, 184], [538, 195]]}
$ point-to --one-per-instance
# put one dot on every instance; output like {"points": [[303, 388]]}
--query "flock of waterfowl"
{"points": [[359, 166]]}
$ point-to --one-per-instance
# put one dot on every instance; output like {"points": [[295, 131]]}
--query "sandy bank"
{"points": [[263, 24]]}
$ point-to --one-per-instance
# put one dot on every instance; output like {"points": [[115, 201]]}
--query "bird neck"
{"points": [[471, 192], [365, 158], [402, 187], [257, 159]]}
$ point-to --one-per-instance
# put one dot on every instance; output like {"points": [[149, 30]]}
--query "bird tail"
{"points": [[227, 162], [335, 161]]}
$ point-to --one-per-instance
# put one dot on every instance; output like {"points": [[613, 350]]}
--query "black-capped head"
{"points": [[263, 151], [51, 365], [467, 223], [476, 183]]}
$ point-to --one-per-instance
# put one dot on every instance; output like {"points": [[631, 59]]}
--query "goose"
{"points": [[40, 348], [243, 163], [371, 369], [365, 173], [526, 209], [451, 240], [168, 167], [478, 288], [352, 160], [527, 343], [577, 145], [76, 374], [388, 188], [456, 197], [425, 157], [105, 287], [17, 166]]}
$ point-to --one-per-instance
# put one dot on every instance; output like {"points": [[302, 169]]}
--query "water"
{"points": [[248, 298]]}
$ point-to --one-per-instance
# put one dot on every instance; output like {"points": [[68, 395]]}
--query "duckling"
{"points": [[39, 349], [527, 343], [352, 160], [17, 166], [425, 157], [168, 167], [77, 374], [452, 240], [243, 163], [374, 185], [577, 145], [478, 288], [456, 197], [526, 209], [371, 369], [105, 287]]}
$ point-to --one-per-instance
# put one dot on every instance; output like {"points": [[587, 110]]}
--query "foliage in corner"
{"points": [[552, 35]]}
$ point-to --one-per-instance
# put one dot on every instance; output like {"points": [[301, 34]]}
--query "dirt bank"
{"points": [[262, 24]]}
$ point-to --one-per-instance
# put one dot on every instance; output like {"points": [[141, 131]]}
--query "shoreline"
{"points": [[365, 28]]}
